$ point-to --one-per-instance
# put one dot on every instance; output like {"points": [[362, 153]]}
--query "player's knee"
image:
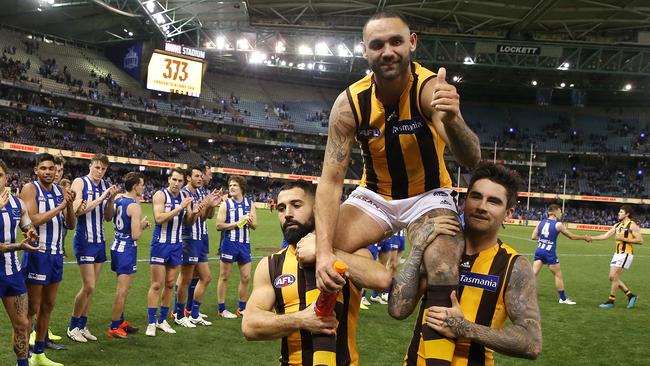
{"points": [[170, 284], [224, 276], [206, 279], [155, 286], [88, 289], [613, 277], [46, 307], [21, 325], [245, 278]]}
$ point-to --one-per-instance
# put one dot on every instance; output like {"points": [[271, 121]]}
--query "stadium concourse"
{"points": [[565, 109]]}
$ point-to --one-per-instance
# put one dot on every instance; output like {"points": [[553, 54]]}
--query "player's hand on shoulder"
{"points": [[327, 279], [449, 322], [306, 249], [315, 324]]}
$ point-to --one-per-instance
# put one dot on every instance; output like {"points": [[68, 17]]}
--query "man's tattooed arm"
{"points": [[524, 337], [340, 139]]}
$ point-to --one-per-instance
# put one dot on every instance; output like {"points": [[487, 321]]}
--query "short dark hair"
{"points": [[194, 167], [65, 183], [131, 179], [629, 210], [240, 180], [3, 166], [306, 186], [45, 157], [501, 175], [178, 170], [59, 160], [553, 206], [385, 14], [100, 158]]}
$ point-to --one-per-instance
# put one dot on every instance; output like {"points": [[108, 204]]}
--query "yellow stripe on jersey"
{"points": [[624, 229], [403, 155]]}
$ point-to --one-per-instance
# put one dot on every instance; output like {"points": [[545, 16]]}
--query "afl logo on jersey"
{"points": [[369, 133], [284, 280], [16, 213]]}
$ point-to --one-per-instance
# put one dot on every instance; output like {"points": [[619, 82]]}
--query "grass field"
{"points": [[573, 335]]}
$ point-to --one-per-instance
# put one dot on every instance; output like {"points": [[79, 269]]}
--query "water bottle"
{"points": [[326, 301]]}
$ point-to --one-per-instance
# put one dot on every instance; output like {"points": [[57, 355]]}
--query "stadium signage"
{"points": [[518, 50], [182, 50], [486, 282]]}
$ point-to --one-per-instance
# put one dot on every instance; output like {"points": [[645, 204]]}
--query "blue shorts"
{"points": [[89, 253], [192, 250], [374, 250], [387, 245], [401, 243], [42, 268], [546, 257], [12, 285], [235, 252], [205, 251], [126, 262], [166, 254]]}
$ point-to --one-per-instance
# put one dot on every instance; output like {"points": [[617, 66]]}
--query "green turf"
{"points": [[573, 335]]}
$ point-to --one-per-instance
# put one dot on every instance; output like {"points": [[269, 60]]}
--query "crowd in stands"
{"points": [[599, 215]]}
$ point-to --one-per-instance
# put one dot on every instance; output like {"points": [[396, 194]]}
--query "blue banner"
{"points": [[127, 56]]}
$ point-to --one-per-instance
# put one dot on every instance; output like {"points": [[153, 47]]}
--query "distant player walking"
{"points": [[546, 234]]}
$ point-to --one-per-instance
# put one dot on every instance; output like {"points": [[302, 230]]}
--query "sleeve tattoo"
{"points": [[340, 137], [524, 337]]}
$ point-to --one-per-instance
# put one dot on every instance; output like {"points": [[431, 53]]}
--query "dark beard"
{"points": [[294, 234]]}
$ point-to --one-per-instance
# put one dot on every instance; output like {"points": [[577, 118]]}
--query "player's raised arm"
{"points": [[137, 225], [28, 195], [159, 214], [561, 228], [521, 339], [221, 219], [261, 323], [340, 139], [441, 102]]}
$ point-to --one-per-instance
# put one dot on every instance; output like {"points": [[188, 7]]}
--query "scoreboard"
{"points": [[172, 73]]}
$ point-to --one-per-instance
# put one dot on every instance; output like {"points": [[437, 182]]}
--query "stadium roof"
{"points": [[603, 44], [103, 20]]}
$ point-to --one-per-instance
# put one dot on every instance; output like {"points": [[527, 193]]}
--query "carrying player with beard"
{"points": [[284, 290]]}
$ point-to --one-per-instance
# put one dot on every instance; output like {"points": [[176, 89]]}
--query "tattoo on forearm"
{"points": [[403, 294], [459, 326], [21, 344], [462, 140], [524, 337], [340, 139]]}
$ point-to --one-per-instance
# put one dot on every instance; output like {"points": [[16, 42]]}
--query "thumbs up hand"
{"points": [[445, 100]]}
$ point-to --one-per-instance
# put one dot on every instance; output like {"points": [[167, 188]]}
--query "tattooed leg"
{"points": [[16, 307]]}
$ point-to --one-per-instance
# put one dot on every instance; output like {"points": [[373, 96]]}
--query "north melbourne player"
{"points": [[129, 225], [546, 233]]}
